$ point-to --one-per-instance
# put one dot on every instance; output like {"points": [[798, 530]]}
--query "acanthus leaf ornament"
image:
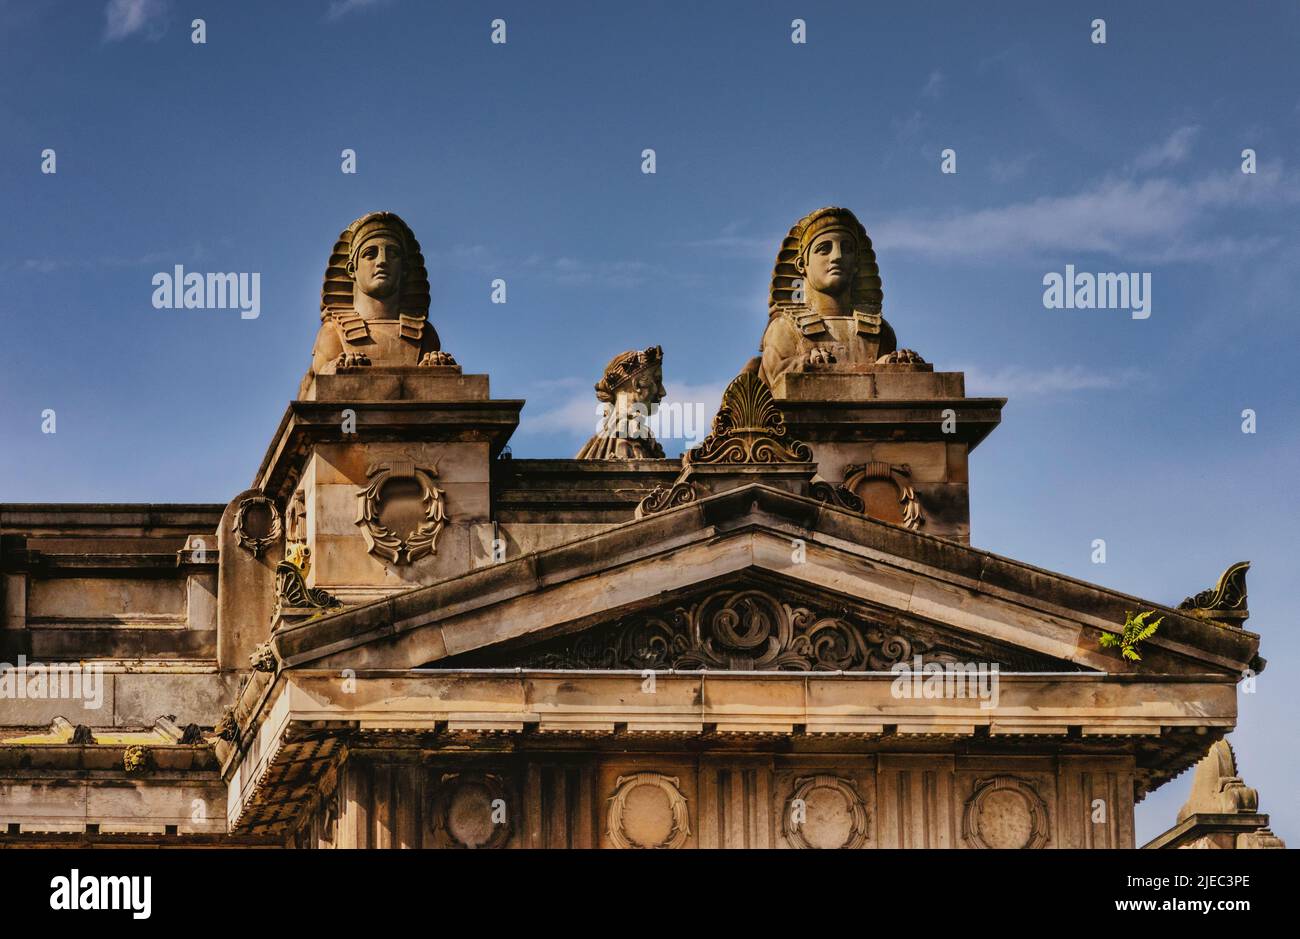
{"points": [[382, 541], [748, 428]]}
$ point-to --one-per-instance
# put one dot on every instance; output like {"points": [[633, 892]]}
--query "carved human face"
{"points": [[378, 267], [831, 262], [644, 391]]}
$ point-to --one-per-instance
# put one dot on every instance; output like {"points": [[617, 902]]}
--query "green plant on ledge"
{"points": [[1136, 630]]}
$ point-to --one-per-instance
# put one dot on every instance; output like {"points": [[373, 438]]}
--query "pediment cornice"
{"points": [[753, 531]]}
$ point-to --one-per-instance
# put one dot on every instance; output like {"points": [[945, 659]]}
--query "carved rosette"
{"points": [[748, 428], [382, 541], [676, 817], [857, 475], [256, 524], [1005, 812], [853, 812], [470, 810]]}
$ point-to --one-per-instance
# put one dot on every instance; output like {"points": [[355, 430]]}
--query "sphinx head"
{"points": [[377, 259], [829, 252]]}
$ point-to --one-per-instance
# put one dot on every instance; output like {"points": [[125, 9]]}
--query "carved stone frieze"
{"points": [[1005, 812], [391, 483], [751, 629], [659, 819], [842, 823]]}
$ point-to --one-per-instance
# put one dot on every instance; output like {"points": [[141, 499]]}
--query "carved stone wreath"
{"points": [[255, 544], [900, 475], [853, 805], [382, 541], [624, 786], [1005, 812], [443, 804]]}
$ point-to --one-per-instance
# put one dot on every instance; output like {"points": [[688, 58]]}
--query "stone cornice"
{"points": [[307, 716], [309, 422], [933, 578]]}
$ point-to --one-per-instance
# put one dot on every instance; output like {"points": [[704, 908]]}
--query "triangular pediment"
{"points": [[844, 588], [759, 622]]}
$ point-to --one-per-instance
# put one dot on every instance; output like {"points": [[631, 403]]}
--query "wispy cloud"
{"points": [[1010, 169], [1155, 220], [125, 18], [341, 8], [1014, 381], [933, 85], [1169, 152]]}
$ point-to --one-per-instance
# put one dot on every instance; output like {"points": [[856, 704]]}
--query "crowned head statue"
{"points": [[629, 391], [824, 307], [375, 301]]}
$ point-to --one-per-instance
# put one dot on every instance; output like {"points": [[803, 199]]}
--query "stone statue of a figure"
{"points": [[825, 301], [631, 389], [375, 301]]}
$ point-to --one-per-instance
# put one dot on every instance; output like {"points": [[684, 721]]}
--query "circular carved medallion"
{"points": [[648, 810], [825, 812], [1005, 812], [471, 810], [256, 524]]}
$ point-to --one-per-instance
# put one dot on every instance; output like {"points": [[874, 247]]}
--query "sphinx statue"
{"points": [[375, 301], [630, 389], [825, 301]]}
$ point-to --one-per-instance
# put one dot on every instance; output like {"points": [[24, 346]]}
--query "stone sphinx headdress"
{"points": [[336, 293], [625, 366], [867, 295]]}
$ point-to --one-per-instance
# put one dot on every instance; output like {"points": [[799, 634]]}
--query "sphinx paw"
{"points": [[351, 360], [901, 357], [437, 358], [818, 357]]}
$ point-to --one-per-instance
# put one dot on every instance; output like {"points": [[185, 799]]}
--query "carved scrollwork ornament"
{"points": [[838, 496], [663, 498], [1225, 602], [291, 588], [792, 824], [1005, 812], [624, 785], [382, 541], [745, 630], [253, 543]]}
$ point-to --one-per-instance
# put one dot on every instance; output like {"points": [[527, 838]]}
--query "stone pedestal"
{"points": [[898, 437], [394, 468]]}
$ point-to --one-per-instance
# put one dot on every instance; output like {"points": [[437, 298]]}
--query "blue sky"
{"points": [[523, 162]]}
